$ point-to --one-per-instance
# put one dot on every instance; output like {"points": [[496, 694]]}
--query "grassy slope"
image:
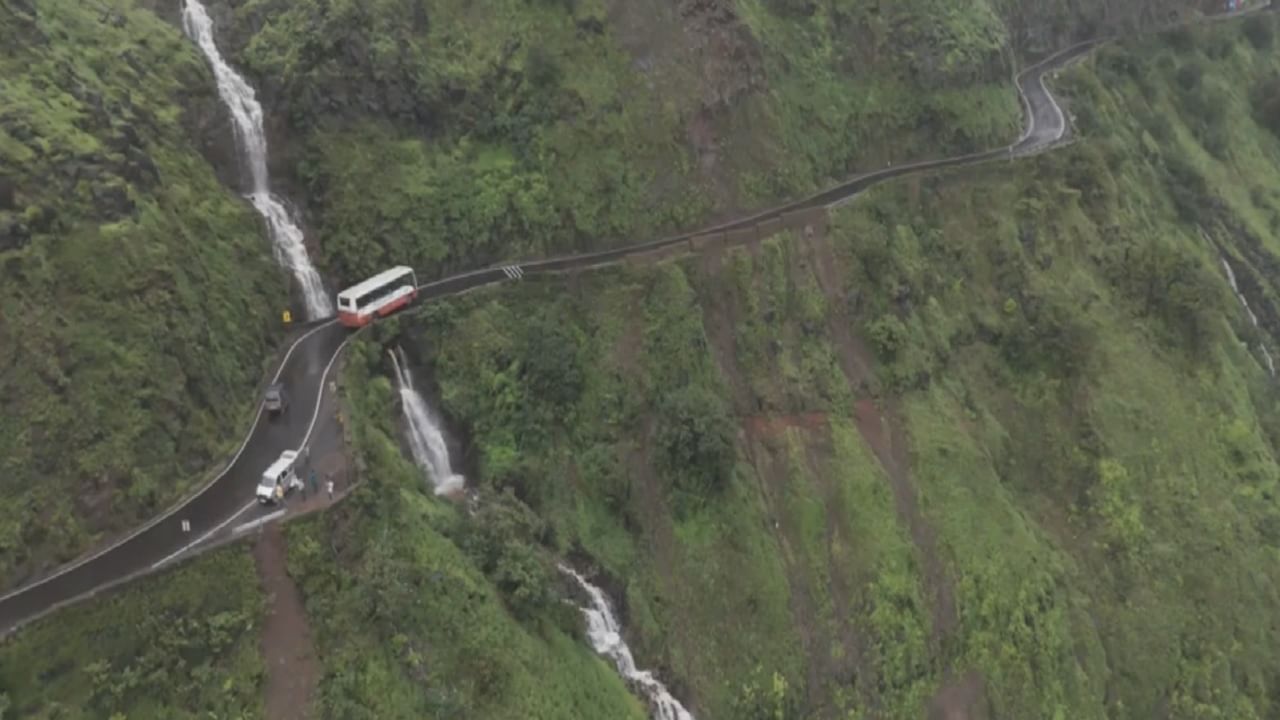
{"points": [[179, 645], [449, 135], [1092, 445], [417, 630], [135, 307], [1097, 572]]}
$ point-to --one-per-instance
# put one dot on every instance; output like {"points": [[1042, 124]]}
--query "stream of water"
{"points": [[1231, 277], [605, 634], [246, 113], [426, 439]]}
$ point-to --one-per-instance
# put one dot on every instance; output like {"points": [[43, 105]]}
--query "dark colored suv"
{"points": [[276, 400]]}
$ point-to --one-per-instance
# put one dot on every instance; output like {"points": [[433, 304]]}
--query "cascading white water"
{"points": [[246, 113], [426, 441], [1231, 278], [605, 634]]}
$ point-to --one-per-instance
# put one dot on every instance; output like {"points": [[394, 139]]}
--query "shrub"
{"points": [[1266, 103], [1169, 284], [1181, 39], [1259, 33], [767, 696], [696, 437], [888, 334], [1050, 335], [1189, 76], [1189, 190], [552, 368], [503, 538]]}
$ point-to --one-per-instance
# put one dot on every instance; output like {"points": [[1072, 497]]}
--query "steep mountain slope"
{"points": [[452, 134], [429, 132], [1001, 441], [136, 292]]}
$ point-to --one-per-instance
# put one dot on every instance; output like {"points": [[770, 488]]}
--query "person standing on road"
{"points": [[329, 487], [315, 484]]}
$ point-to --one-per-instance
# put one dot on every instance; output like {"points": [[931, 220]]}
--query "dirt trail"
{"points": [[961, 698], [293, 671]]}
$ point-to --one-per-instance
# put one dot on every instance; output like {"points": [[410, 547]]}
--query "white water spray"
{"points": [[605, 634], [426, 441], [1231, 278], [246, 113]]}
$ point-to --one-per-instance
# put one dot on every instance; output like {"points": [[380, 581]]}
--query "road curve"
{"points": [[301, 370], [308, 362]]}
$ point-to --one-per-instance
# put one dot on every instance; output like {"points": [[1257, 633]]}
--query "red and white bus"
{"points": [[379, 296]]}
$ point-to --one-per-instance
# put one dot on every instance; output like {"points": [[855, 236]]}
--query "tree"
{"points": [[552, 366], [502, 538], [1266, 103], [888, 334], [1115, 502], [696, 437], [1189, 76]]}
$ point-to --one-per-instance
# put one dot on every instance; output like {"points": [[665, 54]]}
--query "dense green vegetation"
{"points": [[429, 131], [1079, 403], [135, 291], [1003, 433], [450, 134], [180, 645], [414, 604]]}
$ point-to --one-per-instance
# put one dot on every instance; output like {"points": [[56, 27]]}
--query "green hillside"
{"points": [[999, 441], [428, 131], [181, 645], [420, 610], [1003, 439], [136, 292], [453, 134]]}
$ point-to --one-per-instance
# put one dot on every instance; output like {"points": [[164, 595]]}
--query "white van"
{"points": [[280, 478]]}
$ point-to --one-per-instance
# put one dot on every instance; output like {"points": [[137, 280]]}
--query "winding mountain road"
{"points": [[306, 367]]}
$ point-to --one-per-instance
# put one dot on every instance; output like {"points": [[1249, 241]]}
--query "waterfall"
{"points": [[1231, 278], [246, 114], [426, 441], [605, 634]]}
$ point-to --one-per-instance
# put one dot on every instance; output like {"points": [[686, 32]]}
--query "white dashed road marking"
{"points": [[207, 535]]}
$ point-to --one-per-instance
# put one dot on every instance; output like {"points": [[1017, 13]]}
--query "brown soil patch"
{"points": [[961, 699], [768, 426], [883, 431], [708, 63], [768, 454], [293, 671]]}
